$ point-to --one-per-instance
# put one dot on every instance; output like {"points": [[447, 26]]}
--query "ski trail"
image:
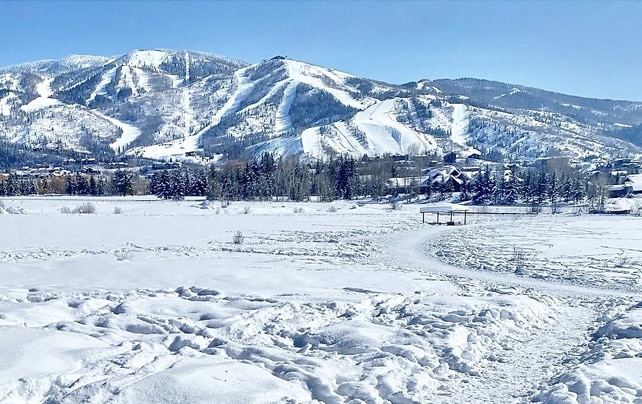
{"points": [[459, 130], [106, 78], [129, 132], [243, 87]]}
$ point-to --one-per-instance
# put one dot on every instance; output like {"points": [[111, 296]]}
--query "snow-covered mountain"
{"points": [[54, 67], [165, 103]]}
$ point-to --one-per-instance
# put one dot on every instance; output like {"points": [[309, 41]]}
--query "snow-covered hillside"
{"points": [[315, 304], [172, 103]]}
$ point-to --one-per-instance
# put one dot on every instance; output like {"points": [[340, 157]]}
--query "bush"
{"points": [[246, 210], [65, 209], [332, 209], [298, 210], [117, 210], [238, 238], [86, 207], [123, 255]]}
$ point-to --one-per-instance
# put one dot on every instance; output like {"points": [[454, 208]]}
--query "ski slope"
{"points": [[129, 132], [373, 131], [460, 118], [44, 100]]}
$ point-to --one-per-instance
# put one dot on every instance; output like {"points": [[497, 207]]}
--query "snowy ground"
{"points": [[333, 303]]}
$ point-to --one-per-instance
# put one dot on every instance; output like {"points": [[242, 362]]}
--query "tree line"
{"points": [[268, 177]]}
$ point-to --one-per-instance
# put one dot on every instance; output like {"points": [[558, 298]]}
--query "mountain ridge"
{"points": [[179, 104]]}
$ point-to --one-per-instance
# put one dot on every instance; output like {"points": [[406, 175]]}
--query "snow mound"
{"points": [[197, 344], [623, 205], [611, 372]]}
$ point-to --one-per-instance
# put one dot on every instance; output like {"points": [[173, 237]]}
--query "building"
{"points": [[634, 181]]}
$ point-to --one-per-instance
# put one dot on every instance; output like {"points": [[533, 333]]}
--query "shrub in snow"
{"points": [[622, 261], [65, 209], [123, 255], [332, 209], [86, 207], [238, 237], [246, 210], [298, 210], [519, 259], [117, 210]]}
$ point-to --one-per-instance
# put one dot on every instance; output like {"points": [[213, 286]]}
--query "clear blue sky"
{"points": [[588, 48]]}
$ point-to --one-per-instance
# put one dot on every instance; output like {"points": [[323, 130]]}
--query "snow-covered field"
{"points": [[320, 302]]}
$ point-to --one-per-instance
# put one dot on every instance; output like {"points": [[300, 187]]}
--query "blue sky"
{"points": [[589, 48]]}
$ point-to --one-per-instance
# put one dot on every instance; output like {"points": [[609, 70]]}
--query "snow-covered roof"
{"points": [[443, 207], [635, 181], [634, 178]]}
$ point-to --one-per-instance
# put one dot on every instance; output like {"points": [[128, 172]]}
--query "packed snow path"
{"points": [[530, 363], [409, 249]]}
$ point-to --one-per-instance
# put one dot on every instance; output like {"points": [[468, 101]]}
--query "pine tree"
{"points": [[197, 183], [553, 188], [541, 187], [213, 184], [163, 185], [484, 187], [70, 185], [93, 186], [178, 185], [82, 186], [464, 189], [123, 183], [511, 191], [11, 186]]}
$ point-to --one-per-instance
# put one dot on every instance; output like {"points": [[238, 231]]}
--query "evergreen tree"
{"points": [[553, 188], [511, 191], [577, 190], [123, 183], [464, 189], [11, 186], [541, 187], [178, 184], [93, 186], [82, 186], [28, 186], [70, 185], [484, 187], [213, 184], [101, 186], [162, 185], [197, 183]]}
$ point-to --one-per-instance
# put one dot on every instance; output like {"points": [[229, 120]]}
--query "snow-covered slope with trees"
{"points": [[165, 103]]}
